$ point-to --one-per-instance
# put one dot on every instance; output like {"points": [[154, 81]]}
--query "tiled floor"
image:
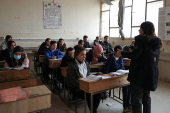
{"points": [[160, 101]]}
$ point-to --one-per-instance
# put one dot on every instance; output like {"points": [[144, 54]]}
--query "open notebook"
{"points": [[120, 72], [95, 78]]}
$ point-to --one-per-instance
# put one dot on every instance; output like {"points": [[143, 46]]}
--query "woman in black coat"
{"points": [[143, 71]]}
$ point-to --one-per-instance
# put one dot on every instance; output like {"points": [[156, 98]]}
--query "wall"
{"points": [[23, 19]]}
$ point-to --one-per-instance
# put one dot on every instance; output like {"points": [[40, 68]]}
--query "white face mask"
{"points": [[47, 46], [117, 58]]}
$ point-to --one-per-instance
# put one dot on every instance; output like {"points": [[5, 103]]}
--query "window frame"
{"points": [[164, 4]]}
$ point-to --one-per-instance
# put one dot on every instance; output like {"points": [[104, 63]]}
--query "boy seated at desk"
{"points": [[45, 45], [86, 43], [114, 63], [69, 56], [18, 59], [106, 43], [8, 51], [80, 44], [97, 41], [61, 45], [4, 44], [79, 68], [52, 52], [96, 55]]}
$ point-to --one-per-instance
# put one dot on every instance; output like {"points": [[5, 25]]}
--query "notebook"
{"points": [[120, 72], [95, 78]]}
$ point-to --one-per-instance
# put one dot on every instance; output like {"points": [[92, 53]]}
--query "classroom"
{"points": [[84, 56]]}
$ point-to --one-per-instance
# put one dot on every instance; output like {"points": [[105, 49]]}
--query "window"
{"points": [[136, 12]]}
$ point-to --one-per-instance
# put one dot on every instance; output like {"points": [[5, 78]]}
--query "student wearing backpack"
{"points": [[143, 71]]}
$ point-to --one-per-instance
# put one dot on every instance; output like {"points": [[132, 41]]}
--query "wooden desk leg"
{"points": [[64, 86], [91, 102], [84, 102]]}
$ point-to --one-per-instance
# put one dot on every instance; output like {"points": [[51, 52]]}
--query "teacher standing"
{"points": [[143, 71]]}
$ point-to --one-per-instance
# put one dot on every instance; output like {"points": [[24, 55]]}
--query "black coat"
{"points": [[143, 70], [5, 54], [94, 43], [86, 45], [12, 61], [41, 50], [89, 57]]}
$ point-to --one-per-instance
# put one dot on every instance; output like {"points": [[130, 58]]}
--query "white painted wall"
{"points": [[23, 19]]}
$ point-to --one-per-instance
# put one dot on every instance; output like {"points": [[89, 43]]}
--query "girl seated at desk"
{"points": [[114, 63], [69, 56], [79, 68], [8, 51], [61, 45], [96, 55], [18, 59], [45, 45]]}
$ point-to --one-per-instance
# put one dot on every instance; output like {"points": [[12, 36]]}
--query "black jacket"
{"points": [[41, 50], [5, 54], [86, 45], [143, 69], [73, 75], [12, 61], [89, 57]]}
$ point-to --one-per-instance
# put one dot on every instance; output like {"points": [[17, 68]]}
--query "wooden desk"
{"points": [[41, 58], [2, 63], [35, 52], [101, 85], [31, 81], [40, 99], [126, 62], [100, 66], [54, 63]]}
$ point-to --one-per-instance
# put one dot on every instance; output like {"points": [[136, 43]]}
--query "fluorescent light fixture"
{"points": [[107, 2]]}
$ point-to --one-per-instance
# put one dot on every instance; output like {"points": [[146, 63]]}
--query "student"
{"points": [[86, 43], [18, 59], [45, 45], [114, 63], [9, 50], [4, 44], [143, 72], [126, 48], [68, 56], [97, 41], [80, 44], [61, 45], [106, 44], [96, 55], [52, 52], [132, 43], [131, 48], [79, 68]]}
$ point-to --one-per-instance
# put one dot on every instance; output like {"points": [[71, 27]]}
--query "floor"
{"points": [[160, 101]]}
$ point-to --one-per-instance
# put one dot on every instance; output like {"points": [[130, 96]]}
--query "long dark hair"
{"points": [[148, 29]]}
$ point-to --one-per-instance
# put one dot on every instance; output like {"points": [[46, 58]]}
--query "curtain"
{"points": [[120, 18]]}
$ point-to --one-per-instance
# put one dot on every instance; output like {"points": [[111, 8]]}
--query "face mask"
{"points": [[17, 57], [47, 46]]}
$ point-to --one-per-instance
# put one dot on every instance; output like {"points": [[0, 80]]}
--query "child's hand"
{"points": [[54, 57]]}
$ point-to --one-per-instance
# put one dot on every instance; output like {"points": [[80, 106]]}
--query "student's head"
{"points": [[97, 39], [115, 50], [131, 48], [70, 52], [11, 45], [147, 28], [8, 38], [53, 45], [97, 51], [132, 43], [61, 42], [85, 38], [106, 38], [47, 41], [80, 54], [126, 48], [17, 52], [80, 43]]}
